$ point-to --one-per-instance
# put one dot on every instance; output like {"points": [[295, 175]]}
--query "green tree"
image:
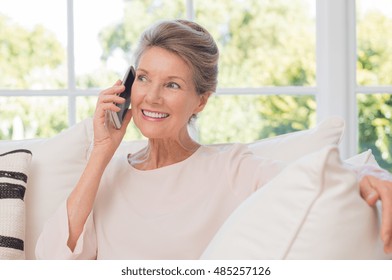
{"points": [[138, 15], [25, 54], [262, 43], [375, 125], [373, 68], [25, 57]]}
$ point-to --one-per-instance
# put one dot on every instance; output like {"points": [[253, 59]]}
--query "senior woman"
{"points": [[170, 198]]}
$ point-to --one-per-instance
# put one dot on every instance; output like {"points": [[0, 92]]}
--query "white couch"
{"points": [[312, 210]]}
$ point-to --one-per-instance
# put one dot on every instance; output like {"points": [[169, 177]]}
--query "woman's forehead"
{"points": [[159, 59]]}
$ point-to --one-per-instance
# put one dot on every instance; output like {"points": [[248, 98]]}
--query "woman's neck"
{"points": [[163, 152]]}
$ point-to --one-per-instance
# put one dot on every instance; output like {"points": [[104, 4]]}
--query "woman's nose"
{"points": [[154, 95]]}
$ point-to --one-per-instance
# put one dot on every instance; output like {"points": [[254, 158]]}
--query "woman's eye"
{"points": [[142, 78], [173, 85]]}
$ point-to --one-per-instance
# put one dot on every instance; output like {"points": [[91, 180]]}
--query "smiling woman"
{"points": [[164, 96], [176, 193], [172, 84], [164, 99], [172, 81]]}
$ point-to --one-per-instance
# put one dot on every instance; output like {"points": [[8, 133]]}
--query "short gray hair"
{"points": [[192, 43]]}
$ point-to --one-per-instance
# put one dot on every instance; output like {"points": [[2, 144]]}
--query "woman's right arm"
{"points": [[106, 140]]}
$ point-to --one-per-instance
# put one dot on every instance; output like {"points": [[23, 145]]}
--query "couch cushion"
{"points": [[56, 166], [312, 210], [291, 146], [14, 170]]}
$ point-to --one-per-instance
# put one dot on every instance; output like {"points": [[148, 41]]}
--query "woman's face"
{"points": [[163, 95]]}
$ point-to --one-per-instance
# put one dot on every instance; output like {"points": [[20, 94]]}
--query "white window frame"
{"points": [[336, 67], [335, 89], [336, 50]]}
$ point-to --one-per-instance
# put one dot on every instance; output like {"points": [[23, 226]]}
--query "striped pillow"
{"points": [[13, 179]]}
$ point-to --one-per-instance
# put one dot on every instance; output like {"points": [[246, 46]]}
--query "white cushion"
{"points": [[312, 210], [14, 169], [56, 166], [291, 146], [363, 158]]}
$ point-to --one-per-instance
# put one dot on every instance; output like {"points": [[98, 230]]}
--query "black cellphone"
{"points": [[118, 117]]}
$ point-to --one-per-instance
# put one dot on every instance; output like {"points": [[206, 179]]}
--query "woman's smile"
{"points": [[154, 115]]}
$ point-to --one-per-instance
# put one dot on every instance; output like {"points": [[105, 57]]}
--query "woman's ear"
{"points": [[203, 101]]}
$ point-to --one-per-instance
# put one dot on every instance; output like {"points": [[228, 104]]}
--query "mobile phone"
{"points": [[118, 117]]}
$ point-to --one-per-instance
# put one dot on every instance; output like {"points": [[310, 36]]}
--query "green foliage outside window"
{"points": [[26, 54], [374, 68]]}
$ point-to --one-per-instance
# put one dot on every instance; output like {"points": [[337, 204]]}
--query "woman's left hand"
{"points": [[376, 184]]}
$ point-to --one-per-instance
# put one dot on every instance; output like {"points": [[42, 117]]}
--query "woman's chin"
{"points": [[152, 133]]}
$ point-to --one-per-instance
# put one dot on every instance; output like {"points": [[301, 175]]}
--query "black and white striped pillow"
{"points": [[14, 167]]}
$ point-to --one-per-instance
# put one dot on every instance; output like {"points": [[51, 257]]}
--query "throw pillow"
{"points": [[311, 210], [14, 167], [55, 168], [291, 146]]}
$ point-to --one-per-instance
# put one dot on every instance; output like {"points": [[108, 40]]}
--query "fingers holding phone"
{"points": [[112, 116], [106, 102], [117, 116]]}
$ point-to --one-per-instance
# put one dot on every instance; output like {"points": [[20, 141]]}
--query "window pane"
{"points": [[262, 43], [248, 118], [33, 44], [375, 125], [85, 107], [31, 117], [374, 27], [106, 39]]}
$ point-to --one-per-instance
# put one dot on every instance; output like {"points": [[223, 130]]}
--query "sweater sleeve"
{"points": [[248, 172], [52, 243]]}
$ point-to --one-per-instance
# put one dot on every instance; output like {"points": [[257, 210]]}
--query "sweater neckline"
{"points": [[167, 167]]}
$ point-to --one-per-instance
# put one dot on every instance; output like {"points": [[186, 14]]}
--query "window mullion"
{"points": [[71, 64], [190, 10], [276, 90], [335, 80], [352, 129]]}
